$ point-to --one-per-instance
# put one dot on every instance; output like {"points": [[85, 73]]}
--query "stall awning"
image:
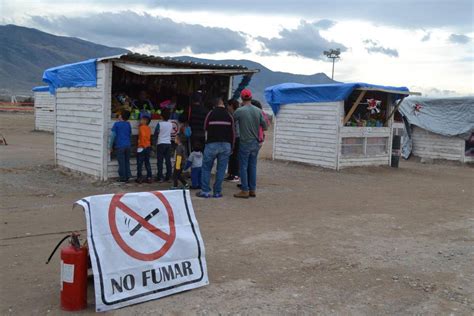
{"points": [[84, 73], [148, 70], [40, 89], [295, 93]]}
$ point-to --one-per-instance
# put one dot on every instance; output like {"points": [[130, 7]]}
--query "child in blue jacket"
{"points": [[120, 142]]}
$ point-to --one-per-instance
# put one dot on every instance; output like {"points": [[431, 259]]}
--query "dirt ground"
{"points": [[362, 241]]}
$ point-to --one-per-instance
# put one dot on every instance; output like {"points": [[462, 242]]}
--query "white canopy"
{"points": [[148, 70]]}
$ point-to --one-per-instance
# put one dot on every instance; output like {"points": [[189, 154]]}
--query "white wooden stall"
{"points": [[83, 119], [44, 111], [317, 134], [435, 146]]}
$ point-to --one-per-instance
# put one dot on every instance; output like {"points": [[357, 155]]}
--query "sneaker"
{"points": [[139, 181], [235, 179], [229, 178], [217, 195], [203, 195], [149, 180], [159, 180], [185, 187], [242, 195]]}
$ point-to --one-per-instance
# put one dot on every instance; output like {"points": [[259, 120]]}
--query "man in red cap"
{"points": [[249, 119]]}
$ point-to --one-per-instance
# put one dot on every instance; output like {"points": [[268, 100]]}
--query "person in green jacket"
{"points": [[249, 120]]}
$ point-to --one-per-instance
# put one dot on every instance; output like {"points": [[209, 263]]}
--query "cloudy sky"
{"points": [[427, 45]]}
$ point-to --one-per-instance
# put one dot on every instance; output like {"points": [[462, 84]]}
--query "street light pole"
{"points": [[333, 62], [333, 54]]}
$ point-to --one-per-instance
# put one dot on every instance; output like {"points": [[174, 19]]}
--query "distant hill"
{"points": [[266, 77], [25, 53]]}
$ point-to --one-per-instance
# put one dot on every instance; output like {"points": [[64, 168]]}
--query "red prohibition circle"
{"points": [[168, 238], [175, 128]]}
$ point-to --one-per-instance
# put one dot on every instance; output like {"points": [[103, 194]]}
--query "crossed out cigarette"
{"points": [[147, 218]]}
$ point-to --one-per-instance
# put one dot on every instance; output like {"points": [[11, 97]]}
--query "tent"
{"points": [[439, 128]]}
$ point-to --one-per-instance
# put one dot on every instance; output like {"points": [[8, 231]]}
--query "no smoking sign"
{"points": [[143, 246], [131, 226]]}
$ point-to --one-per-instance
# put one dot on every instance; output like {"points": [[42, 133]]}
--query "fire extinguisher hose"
{"points": [[56, 248]]}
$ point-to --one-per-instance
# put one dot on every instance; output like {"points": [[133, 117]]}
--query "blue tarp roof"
{"points": [[81, 74], [291, 93], [40, 89]]}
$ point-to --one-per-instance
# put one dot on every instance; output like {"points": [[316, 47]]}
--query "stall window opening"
{"points": [[371, 111]]}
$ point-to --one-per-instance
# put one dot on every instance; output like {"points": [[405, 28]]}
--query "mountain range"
{"points": [[27, 52]]}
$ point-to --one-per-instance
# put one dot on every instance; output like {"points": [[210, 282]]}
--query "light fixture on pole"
{"points": [[333, 54]]}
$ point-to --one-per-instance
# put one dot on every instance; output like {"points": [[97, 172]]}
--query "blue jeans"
{"points": [[163, 151], [123, 158], [196, 174], [248, 154], [221, 151], [144, 158]]}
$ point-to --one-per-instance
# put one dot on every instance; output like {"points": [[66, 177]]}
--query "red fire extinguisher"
{"points": [[73, 274]]}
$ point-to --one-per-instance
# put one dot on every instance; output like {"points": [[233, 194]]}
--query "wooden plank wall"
{"points": [[79, 125], [375, 160], [44, 111], [382, 160], [308, 133], [430, 145]]}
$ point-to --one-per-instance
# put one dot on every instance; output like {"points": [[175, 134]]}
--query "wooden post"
{"points": [[229, 92], [354, 107], [106, 111], [274, 135], [394, 110]]}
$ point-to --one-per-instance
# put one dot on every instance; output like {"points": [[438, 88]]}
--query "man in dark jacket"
{"points": [[219, 127], [197, 115]]}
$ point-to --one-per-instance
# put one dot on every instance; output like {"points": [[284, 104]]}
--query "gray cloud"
{"points": [[128, 28], [435, 92], [324, 24], [402, 13], [426, 37], [374, 47], [459, 39], [305, 40]]}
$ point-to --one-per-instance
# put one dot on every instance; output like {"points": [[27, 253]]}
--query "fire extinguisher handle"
{"points": [[56, 248]]}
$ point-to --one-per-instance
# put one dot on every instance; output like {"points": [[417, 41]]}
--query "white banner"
{"points": [[143, 246]]}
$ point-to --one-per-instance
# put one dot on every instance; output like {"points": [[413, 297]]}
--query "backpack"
{"points": [[261, 132]]}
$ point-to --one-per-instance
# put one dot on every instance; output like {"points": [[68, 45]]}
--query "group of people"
{"points": [[230, 134]]}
